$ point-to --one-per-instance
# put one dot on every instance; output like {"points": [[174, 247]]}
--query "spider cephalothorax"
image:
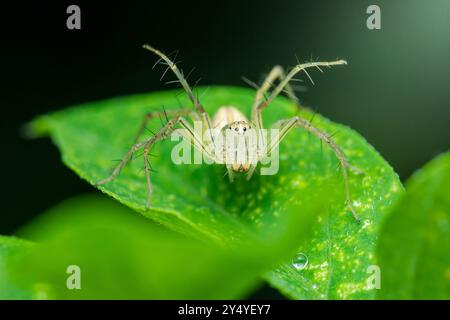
{"points": [[230, 138]]}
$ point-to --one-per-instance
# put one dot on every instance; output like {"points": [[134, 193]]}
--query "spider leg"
{"points": [[198, 142], [147, 174], [182, 80], [179, 74], [147, 144], [165, 113], [261, 104], [161, 134], [250, 172], [286, 125], [230, 173], [122, 163], [164, 133], [277, 72]]}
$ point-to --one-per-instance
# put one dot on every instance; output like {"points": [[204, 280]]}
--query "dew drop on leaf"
{"points": [[300, 261]]}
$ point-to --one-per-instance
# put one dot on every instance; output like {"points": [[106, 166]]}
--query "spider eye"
{"points": [[236, 129], [245, 129]]}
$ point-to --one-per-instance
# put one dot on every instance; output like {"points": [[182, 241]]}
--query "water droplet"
{"points": [[300, 261]]}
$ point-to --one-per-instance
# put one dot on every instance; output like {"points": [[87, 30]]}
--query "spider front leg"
{"points": [[260, 104], [163, 59], [285, 126], [277, 72]]}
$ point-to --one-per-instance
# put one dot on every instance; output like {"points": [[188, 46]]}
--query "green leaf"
{"points": [[198, 200], [125, 256], [414, 245], [9, 246]]}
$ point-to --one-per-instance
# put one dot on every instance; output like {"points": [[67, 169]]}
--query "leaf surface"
{"points": [[198, 200], [9, 246], [414, 246]]}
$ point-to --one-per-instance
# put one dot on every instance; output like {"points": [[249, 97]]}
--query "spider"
{"points": [[229, 118]]}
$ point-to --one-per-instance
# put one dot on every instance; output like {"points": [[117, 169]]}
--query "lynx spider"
{"points": [[231, 118]]}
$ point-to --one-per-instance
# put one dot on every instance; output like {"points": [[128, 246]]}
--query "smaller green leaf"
{"points": [[8, 247], [414, 243], [125, 256]]}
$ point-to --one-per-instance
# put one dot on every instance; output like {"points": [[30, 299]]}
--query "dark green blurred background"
{"points": [[395, 90]]}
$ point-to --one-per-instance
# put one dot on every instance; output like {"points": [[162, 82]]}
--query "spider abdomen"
{"points": [[227, 115]]}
